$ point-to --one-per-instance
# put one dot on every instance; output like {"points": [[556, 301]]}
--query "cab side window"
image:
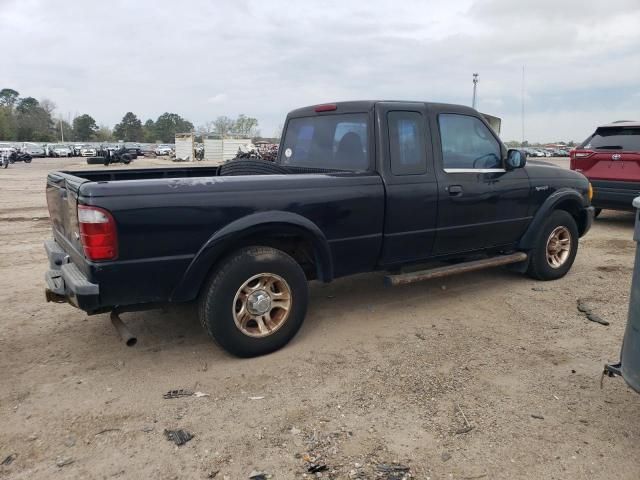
{"points": [[467, 143], [406, 143]]}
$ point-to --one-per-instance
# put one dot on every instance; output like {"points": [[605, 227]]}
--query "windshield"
{"points": [[614, 138], [328, 141]]}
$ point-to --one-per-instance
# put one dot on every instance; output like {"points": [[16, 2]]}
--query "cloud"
{"points": [[202, 59]]}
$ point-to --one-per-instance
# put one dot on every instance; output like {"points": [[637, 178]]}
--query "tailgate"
{"points": [[625, 166], [593, 165], [62, 201]]}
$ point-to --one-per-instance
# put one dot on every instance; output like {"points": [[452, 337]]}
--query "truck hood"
{"points": [[539, 169]]}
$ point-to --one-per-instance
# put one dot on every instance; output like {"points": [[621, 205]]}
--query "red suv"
{"points": [[610, 159]]}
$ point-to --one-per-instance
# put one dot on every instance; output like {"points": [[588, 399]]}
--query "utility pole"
{"points": [[522, 99], [61, 130], [475, 87]]}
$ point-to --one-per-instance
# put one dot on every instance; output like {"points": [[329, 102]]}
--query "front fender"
{"points": [[564, 196], [224, 240]]}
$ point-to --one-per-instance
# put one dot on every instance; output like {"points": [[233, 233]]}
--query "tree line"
{"points": [[27, 119]]}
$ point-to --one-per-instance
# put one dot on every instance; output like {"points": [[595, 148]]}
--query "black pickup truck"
{"points": [[357, 187]]}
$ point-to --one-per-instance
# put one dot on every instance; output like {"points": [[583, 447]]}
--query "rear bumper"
{"points": [[614, 195], [65, 280]]}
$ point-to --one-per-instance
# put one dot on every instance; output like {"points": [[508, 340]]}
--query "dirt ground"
{"points": [[484, 375]]}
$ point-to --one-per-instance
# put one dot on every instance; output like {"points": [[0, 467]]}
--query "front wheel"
{"points": [[255, 301], [555, 248]]}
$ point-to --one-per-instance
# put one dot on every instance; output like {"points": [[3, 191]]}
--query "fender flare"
{"points": [[527, 241], [263, 222]]}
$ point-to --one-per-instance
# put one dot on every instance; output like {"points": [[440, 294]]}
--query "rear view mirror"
{"points": [[515, 159]]}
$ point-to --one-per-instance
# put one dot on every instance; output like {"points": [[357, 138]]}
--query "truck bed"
{"points": [[108, 175]]}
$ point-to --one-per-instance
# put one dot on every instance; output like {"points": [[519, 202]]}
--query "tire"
{"points": [[222, 298], [597, 212], [244, 166], [540, 265], [27, 160], [95, 160]]}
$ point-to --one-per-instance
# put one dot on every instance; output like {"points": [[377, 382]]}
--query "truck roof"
{"points": [[366, 105]]}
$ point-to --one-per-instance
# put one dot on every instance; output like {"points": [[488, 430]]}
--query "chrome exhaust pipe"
{"points": [[123, 331]]}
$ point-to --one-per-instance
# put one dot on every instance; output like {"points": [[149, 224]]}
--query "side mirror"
{"points": [[515, 159]]}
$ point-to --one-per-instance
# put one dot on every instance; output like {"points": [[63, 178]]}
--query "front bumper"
{"points": [[614, 195], [65, 280], [589, 214]]}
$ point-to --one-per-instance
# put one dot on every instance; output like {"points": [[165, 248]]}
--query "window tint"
{"points": [[406, 143], [467, 143], [328, 141], [614, 138]]}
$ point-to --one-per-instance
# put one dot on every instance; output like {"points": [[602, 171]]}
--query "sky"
{"points": [[202, 59]]}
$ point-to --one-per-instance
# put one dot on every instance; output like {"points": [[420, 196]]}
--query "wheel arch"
{"points": [[287, 231], [568, 200]]}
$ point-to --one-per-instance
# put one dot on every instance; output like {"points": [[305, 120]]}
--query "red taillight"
{"points": [[329, 107], [97, 233], [582, 153], [578, 155]]}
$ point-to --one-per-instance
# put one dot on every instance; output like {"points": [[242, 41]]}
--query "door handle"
{"points": [[455, 190]]}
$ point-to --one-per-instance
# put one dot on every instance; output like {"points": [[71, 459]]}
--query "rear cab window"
{"points": [[406, 143], [328, 141], [614, 138]]}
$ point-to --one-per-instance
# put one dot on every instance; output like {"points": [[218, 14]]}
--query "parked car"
{"points": [[164, 150], [61, 151], [109, 154], [610, 159], [133, 149], [33, 149], [88, 151], [433, 183], [7, 147], [148, 151]]}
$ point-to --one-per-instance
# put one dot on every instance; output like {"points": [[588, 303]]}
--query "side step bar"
{"points": [[411, 277]]}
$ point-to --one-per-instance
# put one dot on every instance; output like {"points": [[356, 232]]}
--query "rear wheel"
{"points": [[95, 160], [555, 248], [255, 301]]}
